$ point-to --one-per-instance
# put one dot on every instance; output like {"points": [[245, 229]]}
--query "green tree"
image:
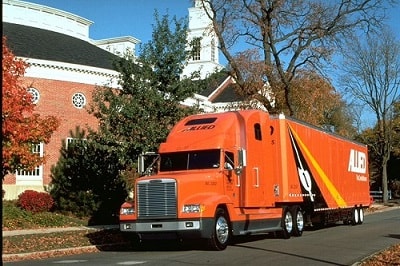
{"points": [[138, 116], [86, 180]]}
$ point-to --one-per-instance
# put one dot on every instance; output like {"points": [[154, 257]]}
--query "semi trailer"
{"points": [[220, 175]]}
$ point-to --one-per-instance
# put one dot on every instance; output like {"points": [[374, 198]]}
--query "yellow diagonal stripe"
{"points": [[331, 187]]}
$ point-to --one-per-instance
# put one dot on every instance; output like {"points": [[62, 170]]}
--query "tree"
{"points": [[21, 127], [372, 75], [314, 99], [138, 116], [291, 36], [86, 180]]}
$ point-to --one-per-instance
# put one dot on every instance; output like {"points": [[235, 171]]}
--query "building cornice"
{"points": [[71, 72], [129, 39], [50, 10]]}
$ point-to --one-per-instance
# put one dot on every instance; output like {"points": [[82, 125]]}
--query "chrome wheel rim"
{"points": [[221, 229]]}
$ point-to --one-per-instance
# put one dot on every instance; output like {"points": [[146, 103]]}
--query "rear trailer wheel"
{"points": [[298, 225], [360, 215], [220, 236], [287, 223], [355, 217]]}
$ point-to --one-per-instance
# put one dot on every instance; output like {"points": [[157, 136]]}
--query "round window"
{"points": [[35, 95], [79, 100]]}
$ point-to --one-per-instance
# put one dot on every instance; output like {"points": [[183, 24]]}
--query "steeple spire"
{"points": [[203, 43]]}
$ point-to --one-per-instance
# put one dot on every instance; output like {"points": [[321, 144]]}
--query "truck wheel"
{"points": [[298, 224], [287, 223], [220, 236], [360, 215], [355, 217]]}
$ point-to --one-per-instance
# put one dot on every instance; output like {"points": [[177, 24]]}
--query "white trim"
{"points": [[71, 72]]}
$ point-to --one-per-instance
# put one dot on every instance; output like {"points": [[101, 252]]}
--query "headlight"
{"points": [[190, 208], [127, 211]]}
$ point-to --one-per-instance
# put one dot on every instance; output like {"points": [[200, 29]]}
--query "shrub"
{"points": [[87, 180], [34, 201]]}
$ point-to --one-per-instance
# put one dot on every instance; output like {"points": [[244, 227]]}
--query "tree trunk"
{"points": [[385, 183]]}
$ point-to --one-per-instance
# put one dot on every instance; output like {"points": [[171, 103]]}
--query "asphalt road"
{"points": [[336, 245]]}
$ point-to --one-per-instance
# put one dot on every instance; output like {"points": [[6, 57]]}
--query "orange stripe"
{"points": [[331, 187]]}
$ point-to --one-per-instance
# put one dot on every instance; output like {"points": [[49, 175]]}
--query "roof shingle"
{"points": [[37, 43]]}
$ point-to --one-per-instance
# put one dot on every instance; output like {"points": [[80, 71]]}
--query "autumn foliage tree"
{"points": [[21, 127], [314, 99]]}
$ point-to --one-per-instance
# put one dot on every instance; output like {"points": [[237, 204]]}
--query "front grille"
{"points": [[156, 199]]}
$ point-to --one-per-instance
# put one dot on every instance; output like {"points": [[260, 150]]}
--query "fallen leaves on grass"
{"points": [[50, 254], [390, 256], [60, 242]]}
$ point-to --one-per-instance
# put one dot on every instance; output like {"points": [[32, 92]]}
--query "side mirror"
{"points": [[242, 157], [242, 161], [146, 161], [141, 168]]}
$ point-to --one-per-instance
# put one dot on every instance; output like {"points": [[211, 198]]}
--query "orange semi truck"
{"points": [[246, 172]]}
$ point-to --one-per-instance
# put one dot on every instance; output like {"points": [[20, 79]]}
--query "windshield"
{"points": [[190, 160]]}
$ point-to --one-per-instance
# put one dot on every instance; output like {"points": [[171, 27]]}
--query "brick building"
{"points": [[66, 66]]}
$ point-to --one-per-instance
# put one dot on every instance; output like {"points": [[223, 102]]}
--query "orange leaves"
{"points": [[390, 256], [313, 97], [20, 126]]}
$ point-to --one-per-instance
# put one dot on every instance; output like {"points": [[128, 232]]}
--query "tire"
{"points": [[221, 231], [298, 221], [287, 223], [355, 219], [360, 215], [134, 240]]}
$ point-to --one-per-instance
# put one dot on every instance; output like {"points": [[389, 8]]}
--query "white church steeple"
{"points": [[203, 43]]}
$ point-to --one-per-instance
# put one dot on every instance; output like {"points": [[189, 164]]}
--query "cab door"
{"points": [[231, 185]]}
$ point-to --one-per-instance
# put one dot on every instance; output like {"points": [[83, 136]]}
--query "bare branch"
{"points": [[292, 35]]}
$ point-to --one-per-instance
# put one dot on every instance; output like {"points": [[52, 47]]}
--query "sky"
{"points": [[115, 18]]}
